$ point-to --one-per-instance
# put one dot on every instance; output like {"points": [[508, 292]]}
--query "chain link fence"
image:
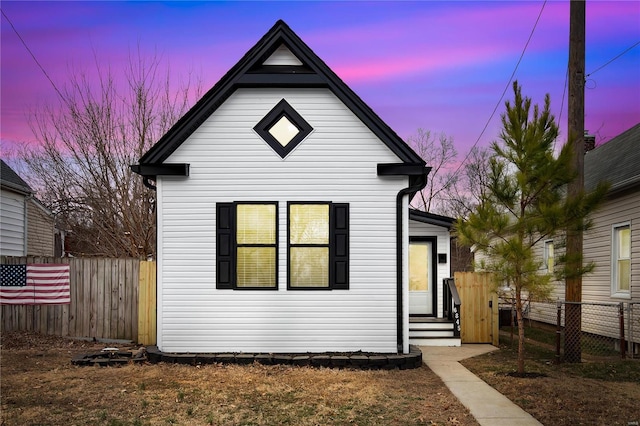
{"points": [[599, 332], [633, 329], [579, 330]]}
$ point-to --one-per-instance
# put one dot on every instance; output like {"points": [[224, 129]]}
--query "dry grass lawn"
{"points": [[40, 386], [595, 392]]}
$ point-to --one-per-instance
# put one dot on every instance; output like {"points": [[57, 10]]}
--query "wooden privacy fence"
{"points": [[105, 300], [479, 308]]}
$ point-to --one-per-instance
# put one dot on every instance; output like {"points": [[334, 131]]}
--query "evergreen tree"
{"points": [[524, 203]]}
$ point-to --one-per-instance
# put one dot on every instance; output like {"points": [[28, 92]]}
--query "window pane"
{"points": [[624, 274], [550, 257], [309, 266], [418, 267], [283, 131], [624, 243], [256, 267], [256, 224], [309, 224]]}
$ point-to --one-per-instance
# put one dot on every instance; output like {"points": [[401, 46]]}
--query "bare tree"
{"points": [[439, 154], [80, 166], [471, 185]]}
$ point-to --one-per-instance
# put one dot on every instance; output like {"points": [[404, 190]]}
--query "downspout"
{"points": [[421, 182], [417, 174]]}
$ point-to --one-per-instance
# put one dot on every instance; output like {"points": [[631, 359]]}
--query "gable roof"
{"points": [[617, 161], [251, 71], [10, 180]]}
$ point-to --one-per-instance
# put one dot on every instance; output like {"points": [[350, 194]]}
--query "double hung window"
{"points": [[621, 260], [549, 259], [317, 246], [247, 245]]}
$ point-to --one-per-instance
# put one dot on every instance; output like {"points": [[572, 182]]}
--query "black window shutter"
{"points": [[339, 267], [225, 247]]}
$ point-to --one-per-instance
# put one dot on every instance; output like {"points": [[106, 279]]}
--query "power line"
{"points": [[503, 93], [616, 57], [564, 91], [591, 73], [32, 55]]}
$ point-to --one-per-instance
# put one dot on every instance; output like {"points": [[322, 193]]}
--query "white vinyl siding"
{"points": [[12, 224], [443, 246], [282, 56], [230, 162]]}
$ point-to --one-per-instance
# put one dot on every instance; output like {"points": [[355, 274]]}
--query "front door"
{"points": [[421, 276]]}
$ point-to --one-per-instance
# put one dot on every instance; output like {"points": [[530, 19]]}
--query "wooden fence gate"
{"points": [[479, 308]]}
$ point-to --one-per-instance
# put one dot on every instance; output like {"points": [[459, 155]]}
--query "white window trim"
{"points": [[615, 292]]}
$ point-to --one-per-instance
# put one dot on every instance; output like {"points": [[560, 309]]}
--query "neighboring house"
{"points": [[26, 226], [613, 243], [283, 220]]}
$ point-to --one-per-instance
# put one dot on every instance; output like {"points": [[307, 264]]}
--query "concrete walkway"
{"points": [[487, 405]]}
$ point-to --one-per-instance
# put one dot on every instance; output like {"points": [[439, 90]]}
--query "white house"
{"points": [[283, 219]]}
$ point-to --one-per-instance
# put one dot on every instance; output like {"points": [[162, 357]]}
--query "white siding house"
{"points": [[283, 221]]}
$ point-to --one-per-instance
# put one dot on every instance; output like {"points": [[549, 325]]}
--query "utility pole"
{"points": [[573, 283]]}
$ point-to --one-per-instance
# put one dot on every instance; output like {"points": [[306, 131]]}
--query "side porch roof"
{"points": [[431, 219]]}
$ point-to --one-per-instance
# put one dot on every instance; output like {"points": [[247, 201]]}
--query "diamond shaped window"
{"points": [[284, 131], [283, 128]]}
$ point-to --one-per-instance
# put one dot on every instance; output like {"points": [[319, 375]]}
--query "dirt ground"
{"points": [[39, 386], [594, 392]]}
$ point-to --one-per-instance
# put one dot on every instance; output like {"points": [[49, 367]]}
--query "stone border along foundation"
{"points": [[110, 357], [354, 360]]}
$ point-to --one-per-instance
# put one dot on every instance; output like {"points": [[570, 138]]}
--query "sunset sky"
{"points": [[439, 66]]}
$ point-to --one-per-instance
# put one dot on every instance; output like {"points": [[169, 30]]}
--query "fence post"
{"points": [[513, 317], [558, 330], [623, 344], [630, 350]]}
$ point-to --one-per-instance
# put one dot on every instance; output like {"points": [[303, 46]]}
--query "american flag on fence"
{"points": [[34, 284]]}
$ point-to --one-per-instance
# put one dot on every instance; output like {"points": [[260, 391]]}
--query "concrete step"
{"points": [[431, 325], [436, 341], [429, 333]]}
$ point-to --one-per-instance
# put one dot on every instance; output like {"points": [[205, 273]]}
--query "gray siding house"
{"points": [[26, 227], [613, 243]]}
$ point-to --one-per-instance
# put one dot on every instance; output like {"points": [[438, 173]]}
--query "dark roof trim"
{"points": [[416, 172], [281, 80], [10, 180], [430, 218], [403, 169], [619, 187], [153, 170], [249, 72]]}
